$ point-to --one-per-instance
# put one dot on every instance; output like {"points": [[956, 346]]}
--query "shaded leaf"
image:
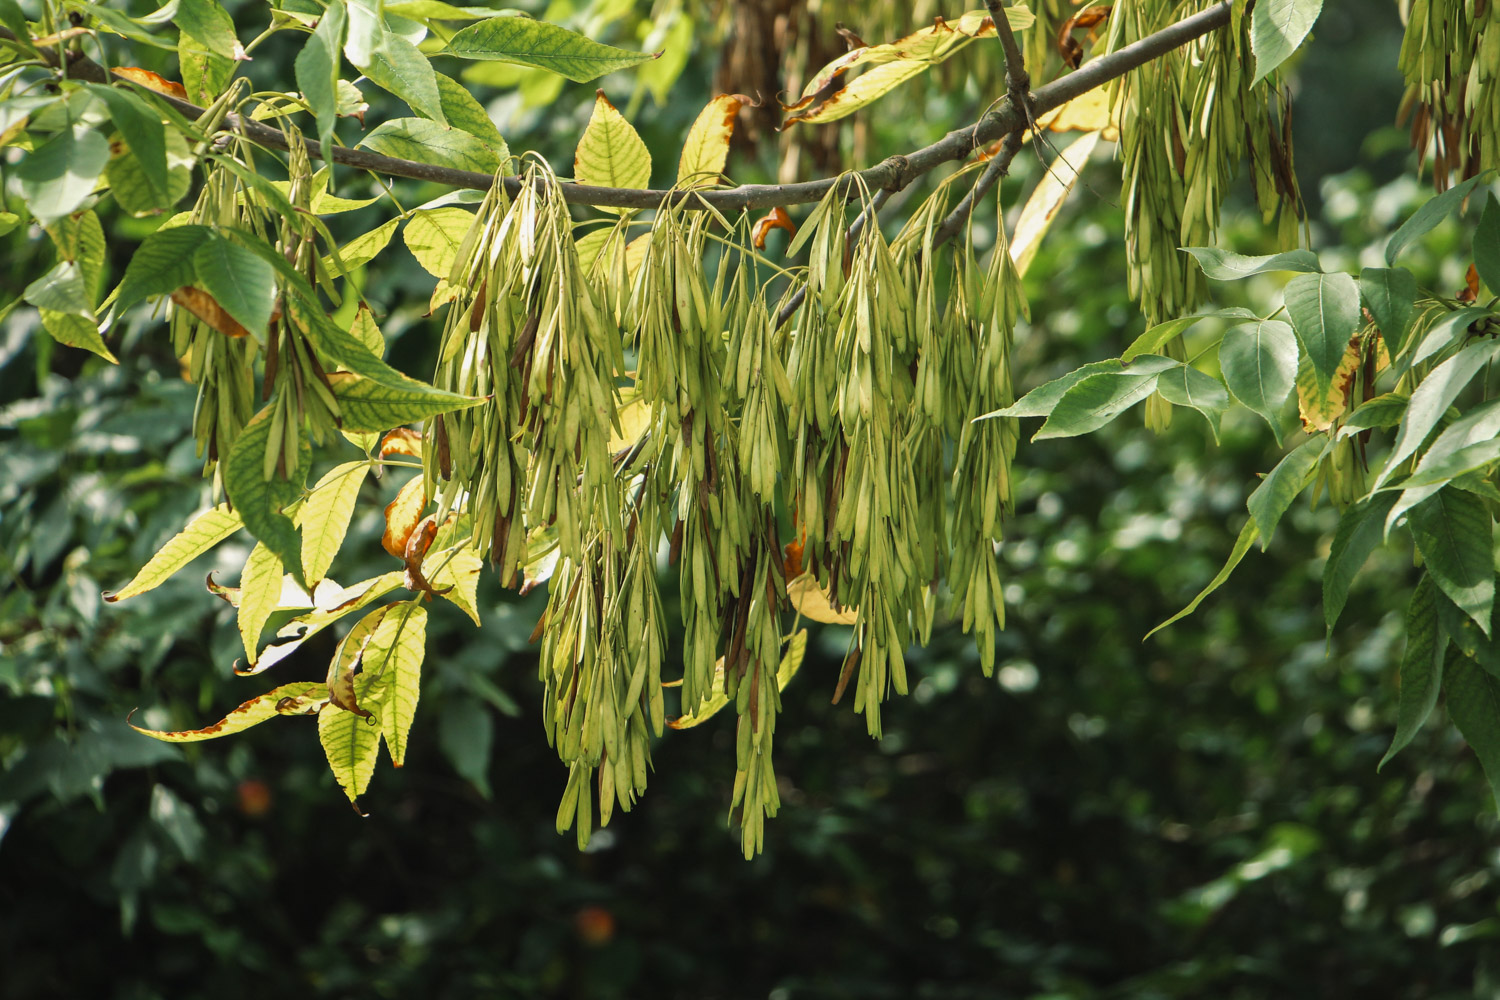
{"points": [[1276, 492], [1429, 215], [1473, 703], [1432, 398], [1259, 361], [1097, 399], [162, 264], [1042, 400], [56, 177], [317, 71], [1452, 530], [1225, 265], [1391, 296], [1360, 530], [464, 112], [240, 282], [1187, 386], [1241, 546], [142, 129], [76, 331], [1324, 309], [260, 503], [1421, 666]]}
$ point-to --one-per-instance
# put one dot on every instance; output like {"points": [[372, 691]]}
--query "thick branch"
{"points": [[893, 173]]}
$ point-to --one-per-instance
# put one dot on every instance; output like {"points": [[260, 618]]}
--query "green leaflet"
{"points": [[1430, 214], [61, 290], [205, 48], [317, 70], [325, 516], [1276, 492], [162, 264], [59, 175], [144, 133], [1487, 245], [1452, 530], [433, 235], [1432, 398], [128, 183], [392, 62], [1042, 400], [351, 744], [260, 503], [464, 112], [394, 661], [368, 405], [240, 281], [1384, 411], [1324, 309], [202, 533], [1259, 362], [1450, 330], [1277, 27], [260, 594], [76, 331], [1187, 386], [546, 46], [611, 153], [1241, 546], [1473, 701], [1391, 296], [363, 248], [301, 698], [1225, 265], [1421, 666], [80, 238], [428, 142], [1360, 530], [1158, 336], [1097, 399]]}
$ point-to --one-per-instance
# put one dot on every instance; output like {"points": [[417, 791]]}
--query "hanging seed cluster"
{"points": [[1187, 120], [1450, 56]]}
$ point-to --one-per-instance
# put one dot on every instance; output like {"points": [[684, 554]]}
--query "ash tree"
{"points": [[629, 379]]}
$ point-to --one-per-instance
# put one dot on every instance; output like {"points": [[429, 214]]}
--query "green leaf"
{"points": [[1451, 329], [1382, 412], [1277, 27], [1429, 215], [363, 248], [1360, 530], [433, 235], [368, 405], [202, 533], [394, 659], [1324, 309], [325, 517], [1097, 399], [122, 24], [428, 142], [1187, 386], [526, 42], [464, 112], [1432, 398], [611, 152], [141, 127], [301, 698], [431, 143], [12, 17], [1276, 492], [135, 194], [1158, 336], [260, 594], [59, 175], [351, 744], [1473, 702], [1259, 361], [1224, 265], [260, 503], [1421, 667], [239, 281], [1487, 245], [1241, 546], [394, 64], [206, 48], [1391, 295], [60, 290], [317, 70], [1042, 400], [76, 331], [1453, 532], [162, 264]]}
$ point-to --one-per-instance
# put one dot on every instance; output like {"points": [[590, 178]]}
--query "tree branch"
{"points": [[893, 173]]}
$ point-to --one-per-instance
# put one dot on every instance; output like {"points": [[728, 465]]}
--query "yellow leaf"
{"points": [[812, 602], [611, 153], [1089, 112], [260, 594], [791, 661], [202, 533], [707, 146], [459, 574], [300, 698], [402, 515], [325, 517], [1045, 202]]}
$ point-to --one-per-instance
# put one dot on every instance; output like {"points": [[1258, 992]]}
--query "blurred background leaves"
{"points": [[1196, 815]]}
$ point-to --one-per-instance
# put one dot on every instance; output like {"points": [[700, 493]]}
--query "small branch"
{"points": [[1017, 80], [998, 167], [893, 173]]}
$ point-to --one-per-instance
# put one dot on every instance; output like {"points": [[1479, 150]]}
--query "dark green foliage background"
{"points": [[1196, 815]]}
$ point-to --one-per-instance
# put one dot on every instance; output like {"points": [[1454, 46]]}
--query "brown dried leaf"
{"points": [[152, 81], [401, 441], [402, 515], [776, 218], [206, 307]]}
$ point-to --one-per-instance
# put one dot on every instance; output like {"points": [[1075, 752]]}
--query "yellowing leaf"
{"points": [[260, 593], [347, 657], [368, 331], [402, 515], [393, 661], [812, 602], [1045, 202], [634, 416], [707, 146], [300, 698], [351, 744], [362, 249], [325, 515], [304, 627], [611, 153], [202, 533], [1320, 406], [1089, 112], [434, 235], [457, 579]]}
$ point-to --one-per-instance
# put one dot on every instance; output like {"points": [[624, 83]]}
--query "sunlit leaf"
{"points": [[1046, 201], [56, 177], [433, 235], [206, 48], [707, 147], [429, 142], [365, 247], [370, 406], [393, 659], [1223, 265], [351, 651], [402, 515], [812, 602], [1277, 28], [464, 111], [455, 576], [202, 533], [76, 331], [611, 153], [300, 698], [260, 593], [546, 46], [325, 515]]}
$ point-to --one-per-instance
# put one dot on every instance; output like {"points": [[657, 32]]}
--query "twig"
{"points": [[1017, 80], [998, 167], [893, 173]]}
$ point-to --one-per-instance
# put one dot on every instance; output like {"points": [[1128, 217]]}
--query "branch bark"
{"points": [[893, 173]]}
